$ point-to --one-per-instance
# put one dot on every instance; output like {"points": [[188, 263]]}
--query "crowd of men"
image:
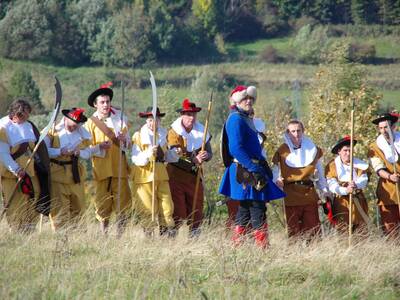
{"points": [[160, 183]]}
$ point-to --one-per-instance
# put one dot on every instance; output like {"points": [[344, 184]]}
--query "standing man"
{"points": [[67, 142], [186, 137], [247, 177], [105, 128], [296, 161], [385, 160], [17, 140], [144, 155], [337, 174]]}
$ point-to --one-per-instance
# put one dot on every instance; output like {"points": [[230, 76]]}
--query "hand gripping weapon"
{"points": [[54, 115]]}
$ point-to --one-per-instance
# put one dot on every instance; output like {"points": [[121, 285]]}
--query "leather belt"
{"points": [[308, 183]]}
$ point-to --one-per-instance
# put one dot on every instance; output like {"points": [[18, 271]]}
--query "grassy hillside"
{"points": [[86, 265]]}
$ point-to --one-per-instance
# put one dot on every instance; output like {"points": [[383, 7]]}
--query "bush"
{"points": [[362, 53], [270, 55]]}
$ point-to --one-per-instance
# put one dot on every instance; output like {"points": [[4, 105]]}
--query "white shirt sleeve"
{"points": [[140, 158], [361, 181], [6, 159], [92, 151], [335, 188], [321, 183], [53, 152], [276, 173]]}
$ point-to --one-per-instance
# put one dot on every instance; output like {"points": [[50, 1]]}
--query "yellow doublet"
{"points": [[68, 198], [105, 173], [142, 179], [21, 214]]}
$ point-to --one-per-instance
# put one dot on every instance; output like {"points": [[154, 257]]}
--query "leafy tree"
{"points": [[5, 100], [336, 84], [23, 85], [364, 12], [25, 37]]}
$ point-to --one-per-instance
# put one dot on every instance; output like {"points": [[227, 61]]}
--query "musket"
{"points": [[200, 169], [43, 134], [394, 152], [154, 113], [120, 149]]}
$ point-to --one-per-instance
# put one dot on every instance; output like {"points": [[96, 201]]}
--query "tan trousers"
{"points": [[21, 214], [390, 219], [105, 200], [67, 204], [163, 206], [302, 220]]}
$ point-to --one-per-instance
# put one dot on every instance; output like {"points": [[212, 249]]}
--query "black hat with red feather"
{"points": [[103, 90]]}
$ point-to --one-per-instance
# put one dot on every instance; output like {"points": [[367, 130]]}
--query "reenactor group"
{"points": [[160, 183]]}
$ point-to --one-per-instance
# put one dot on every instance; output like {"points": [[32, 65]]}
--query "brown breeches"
{"points": [[183, 197], [302, 219]]}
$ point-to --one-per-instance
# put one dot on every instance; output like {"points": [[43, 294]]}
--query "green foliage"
{"points": [[336, 85], [309, 43], [5, 100], [23, 85]]}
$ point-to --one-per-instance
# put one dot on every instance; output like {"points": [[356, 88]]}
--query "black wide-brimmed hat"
{"points": [[149, 113], [75, 114], [345, 141], [392, 117], [188, 106], [103, 90]]}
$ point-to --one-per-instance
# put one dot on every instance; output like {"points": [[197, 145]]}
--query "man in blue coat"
{"points": [[247, 177]]}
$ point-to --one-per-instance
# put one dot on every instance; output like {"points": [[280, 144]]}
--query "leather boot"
{"points": [[261, 236], [238, 235]]}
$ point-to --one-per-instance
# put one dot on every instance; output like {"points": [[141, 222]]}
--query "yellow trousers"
{"points": [[163, 206], [67, 204], [21, 214], [105, 200]]}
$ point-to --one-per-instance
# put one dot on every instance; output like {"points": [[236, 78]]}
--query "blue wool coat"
{"points": [[243, 144]]}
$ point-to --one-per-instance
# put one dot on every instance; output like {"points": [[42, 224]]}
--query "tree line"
{"points": [[136, 32]]}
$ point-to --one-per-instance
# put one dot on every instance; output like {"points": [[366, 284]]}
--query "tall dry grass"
{"points": [[84, 264]]}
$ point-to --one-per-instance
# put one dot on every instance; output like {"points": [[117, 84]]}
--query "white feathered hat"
{"points": [[240, 92]]}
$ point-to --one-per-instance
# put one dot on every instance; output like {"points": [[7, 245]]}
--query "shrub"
{"points": [[362, 53], [270, 55]]}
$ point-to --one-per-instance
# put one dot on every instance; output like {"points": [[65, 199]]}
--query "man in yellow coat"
{"points": [[385, 161], [17, 140], [68, 142], [337, 174], [105, 126], [296, 163], [144, 155]]}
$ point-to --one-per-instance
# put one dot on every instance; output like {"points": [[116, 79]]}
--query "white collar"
{"points": [[387, 149], [17, 133], [343, 170], [194, 138], [114, 120], [303, 156], [146, 136], [71, 140]]}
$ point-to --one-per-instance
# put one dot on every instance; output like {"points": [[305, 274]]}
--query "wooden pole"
{"points": [[351, 173], [391, 138], [200, 170]]}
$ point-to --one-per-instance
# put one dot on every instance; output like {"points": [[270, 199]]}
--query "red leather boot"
{"points": [[238, 235], [261, 236]]}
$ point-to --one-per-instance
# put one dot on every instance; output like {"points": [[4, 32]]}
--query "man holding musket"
{"points": [[296, 162], [337, 174], [384, 156], [106, 128], [68, 142], [186, 137], [17, 140], [247, 177]]}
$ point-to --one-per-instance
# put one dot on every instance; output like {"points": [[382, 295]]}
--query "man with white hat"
{"points": [[247, 177]]}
